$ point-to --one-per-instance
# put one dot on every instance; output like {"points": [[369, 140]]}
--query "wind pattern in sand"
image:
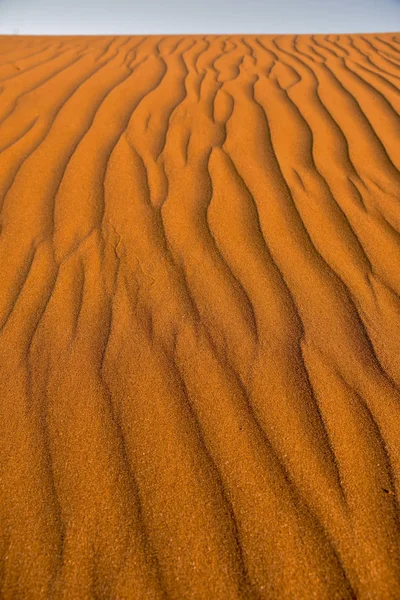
{"points": [[200, 317]]}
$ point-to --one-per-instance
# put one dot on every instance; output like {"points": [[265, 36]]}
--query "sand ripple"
{"points": [[200, 317]]}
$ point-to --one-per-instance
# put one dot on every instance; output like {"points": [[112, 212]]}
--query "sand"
{"points": [[200, 317]]}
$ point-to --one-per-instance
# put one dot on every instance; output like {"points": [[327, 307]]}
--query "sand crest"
{"points": [[200, 317]]}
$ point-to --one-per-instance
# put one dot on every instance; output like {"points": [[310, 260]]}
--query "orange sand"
{"points": [[200, 317]]}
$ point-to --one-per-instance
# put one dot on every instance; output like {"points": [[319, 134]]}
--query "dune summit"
{"points": [[200, 317]]}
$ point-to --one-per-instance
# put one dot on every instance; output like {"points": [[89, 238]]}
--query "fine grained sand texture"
{"points": [[200, 317]]}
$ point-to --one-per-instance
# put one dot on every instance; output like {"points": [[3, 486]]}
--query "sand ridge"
{"points": [[200, 317]]}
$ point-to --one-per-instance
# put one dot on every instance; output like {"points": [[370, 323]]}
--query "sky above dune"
{"points": [[205, 16]]}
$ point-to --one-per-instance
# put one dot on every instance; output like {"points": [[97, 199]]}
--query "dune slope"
{"points": [[200, 317]]}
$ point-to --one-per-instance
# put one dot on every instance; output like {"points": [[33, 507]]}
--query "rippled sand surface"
{"points": [[200, 317]]}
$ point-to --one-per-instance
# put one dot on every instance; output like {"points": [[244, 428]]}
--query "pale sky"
{"points": [[202, 16]]}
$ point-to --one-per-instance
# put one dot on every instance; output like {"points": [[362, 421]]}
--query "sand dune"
{"points": [[200, 317]]}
